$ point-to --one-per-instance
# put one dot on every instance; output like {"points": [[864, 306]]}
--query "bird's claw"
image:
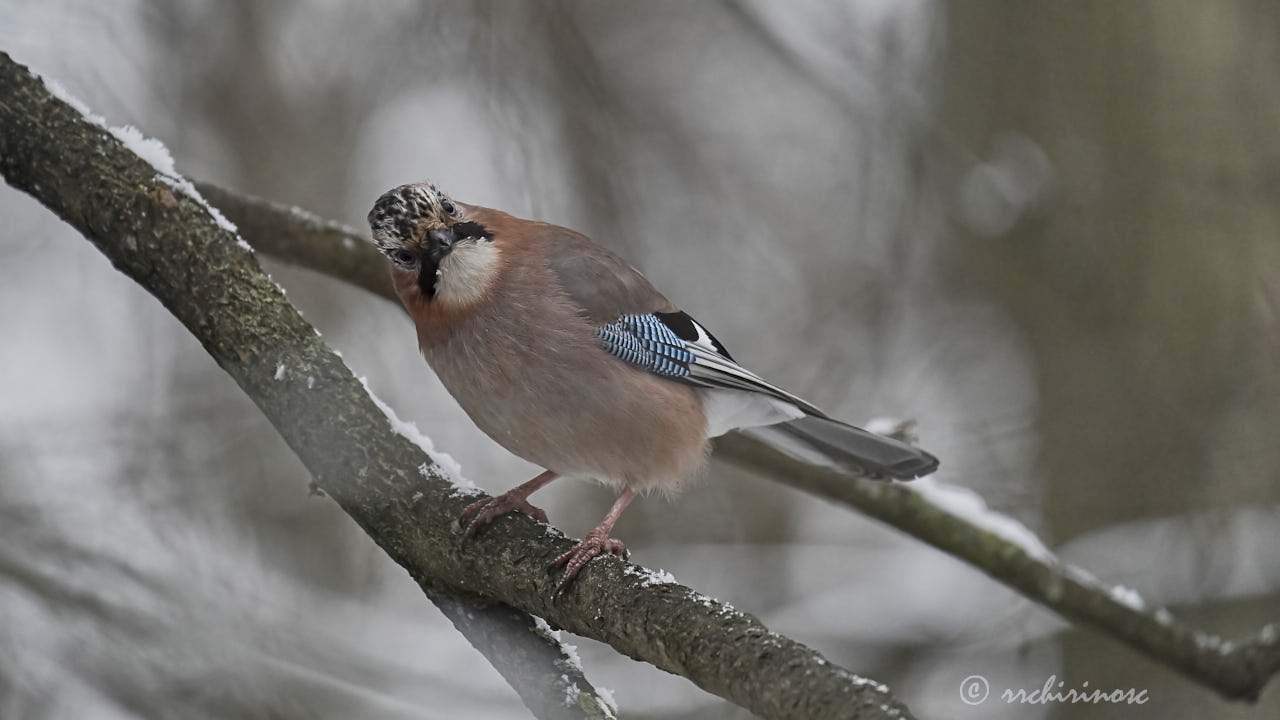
{"points": [[595, 543], [489, 509]]}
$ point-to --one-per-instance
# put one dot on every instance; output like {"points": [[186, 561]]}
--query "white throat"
{"points": [[467, 272]]}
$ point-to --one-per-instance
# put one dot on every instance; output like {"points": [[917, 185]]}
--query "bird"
{"points": [[567, 356]]}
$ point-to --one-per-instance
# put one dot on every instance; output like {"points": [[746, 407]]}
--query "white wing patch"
{"points": [[704, 341]]}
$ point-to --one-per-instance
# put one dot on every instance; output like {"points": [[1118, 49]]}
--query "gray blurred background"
{"points": [[1047, 231]]}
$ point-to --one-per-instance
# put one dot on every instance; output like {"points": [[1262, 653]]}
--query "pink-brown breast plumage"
{"points": [[526, 366]]}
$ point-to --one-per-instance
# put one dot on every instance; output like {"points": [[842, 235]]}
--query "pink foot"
{"points": [[597, 541], [490, 509]]}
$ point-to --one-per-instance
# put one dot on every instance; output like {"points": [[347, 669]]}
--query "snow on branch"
{"points": [[957, 522], [173, 246]]}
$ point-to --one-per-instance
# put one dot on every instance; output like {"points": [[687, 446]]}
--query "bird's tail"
{"points": [[866, 453]]}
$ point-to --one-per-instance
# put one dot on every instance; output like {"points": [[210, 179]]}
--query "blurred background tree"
{"points": [[1139, 281], [1046, 231]]}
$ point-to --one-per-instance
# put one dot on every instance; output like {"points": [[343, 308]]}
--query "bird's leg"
{"points": [[516, 499], [596, 542]]}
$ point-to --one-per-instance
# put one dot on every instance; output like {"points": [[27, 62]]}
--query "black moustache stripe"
{"points": [[471, 228], [427, 278]]}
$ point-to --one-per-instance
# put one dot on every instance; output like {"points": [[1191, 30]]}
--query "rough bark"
{"points": [[168, 242]]}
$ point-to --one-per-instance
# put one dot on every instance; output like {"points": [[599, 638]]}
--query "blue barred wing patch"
{"points": [[645, 341], [675, 346]]}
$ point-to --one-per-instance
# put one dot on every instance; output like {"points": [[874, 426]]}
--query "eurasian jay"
{"points": [[566, 356]]}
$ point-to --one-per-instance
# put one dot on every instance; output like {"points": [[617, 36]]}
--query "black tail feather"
{"points": [[866, 453]]}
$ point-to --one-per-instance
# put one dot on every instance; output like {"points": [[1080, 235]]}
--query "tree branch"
{"points": [[296, 237], [169, 241], [1237, 670], [152, 232]]}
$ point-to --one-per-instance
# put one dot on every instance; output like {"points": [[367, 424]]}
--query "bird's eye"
{"points": [[402, 257], [448, 207]]}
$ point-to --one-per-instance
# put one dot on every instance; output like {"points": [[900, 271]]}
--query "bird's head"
{"points": [[435, 242]]}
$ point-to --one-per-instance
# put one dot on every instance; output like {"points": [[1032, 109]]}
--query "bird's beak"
{"points": [[439, 242]]}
